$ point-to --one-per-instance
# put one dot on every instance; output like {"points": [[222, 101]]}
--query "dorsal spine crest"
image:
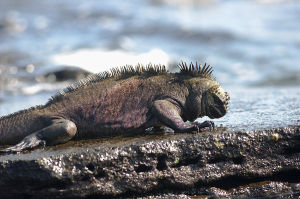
{"points": [[116, 72], [196, 70]]}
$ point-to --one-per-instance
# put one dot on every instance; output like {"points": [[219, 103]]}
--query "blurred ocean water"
{"points": [[254, 47]]}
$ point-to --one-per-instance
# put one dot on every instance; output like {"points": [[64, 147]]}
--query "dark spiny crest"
{"points": [[196, 70], [117, 72], [127, 71]]}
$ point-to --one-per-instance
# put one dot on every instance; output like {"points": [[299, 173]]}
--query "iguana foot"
{"points": [[209, 124], [168, 113], [28, 143], [58, 132]]}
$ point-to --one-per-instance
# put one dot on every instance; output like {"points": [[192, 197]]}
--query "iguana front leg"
{"points": [[169, 113], [58, 132]]}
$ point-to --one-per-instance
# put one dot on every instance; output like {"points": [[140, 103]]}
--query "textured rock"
{"points": [[211, 164]]}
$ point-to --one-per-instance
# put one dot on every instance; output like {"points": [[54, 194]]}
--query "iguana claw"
{"points": [[28, 143], [209, 124]]}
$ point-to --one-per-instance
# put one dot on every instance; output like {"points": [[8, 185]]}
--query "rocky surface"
{"points": [[220, 164], [65, 74]]}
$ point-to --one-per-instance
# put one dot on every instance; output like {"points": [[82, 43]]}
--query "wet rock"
{"points": [[223, 163], [67, 73]]}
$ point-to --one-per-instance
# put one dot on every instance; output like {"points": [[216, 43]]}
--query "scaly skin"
{"points": [[118, 105]]}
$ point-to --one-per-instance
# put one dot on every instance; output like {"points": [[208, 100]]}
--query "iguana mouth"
{"points": [[216, 112]]}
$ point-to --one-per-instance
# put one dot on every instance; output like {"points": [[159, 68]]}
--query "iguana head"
{"points": [[214, 102], [206, 96]]}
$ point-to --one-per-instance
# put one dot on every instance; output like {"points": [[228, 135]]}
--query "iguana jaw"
{"points": [[213, 106], [215, 112]]}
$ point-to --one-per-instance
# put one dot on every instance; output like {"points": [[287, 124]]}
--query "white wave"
{"points": [[42, 87]]}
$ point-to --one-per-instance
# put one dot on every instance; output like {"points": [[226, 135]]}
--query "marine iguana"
{"points": [[122, 101]]}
